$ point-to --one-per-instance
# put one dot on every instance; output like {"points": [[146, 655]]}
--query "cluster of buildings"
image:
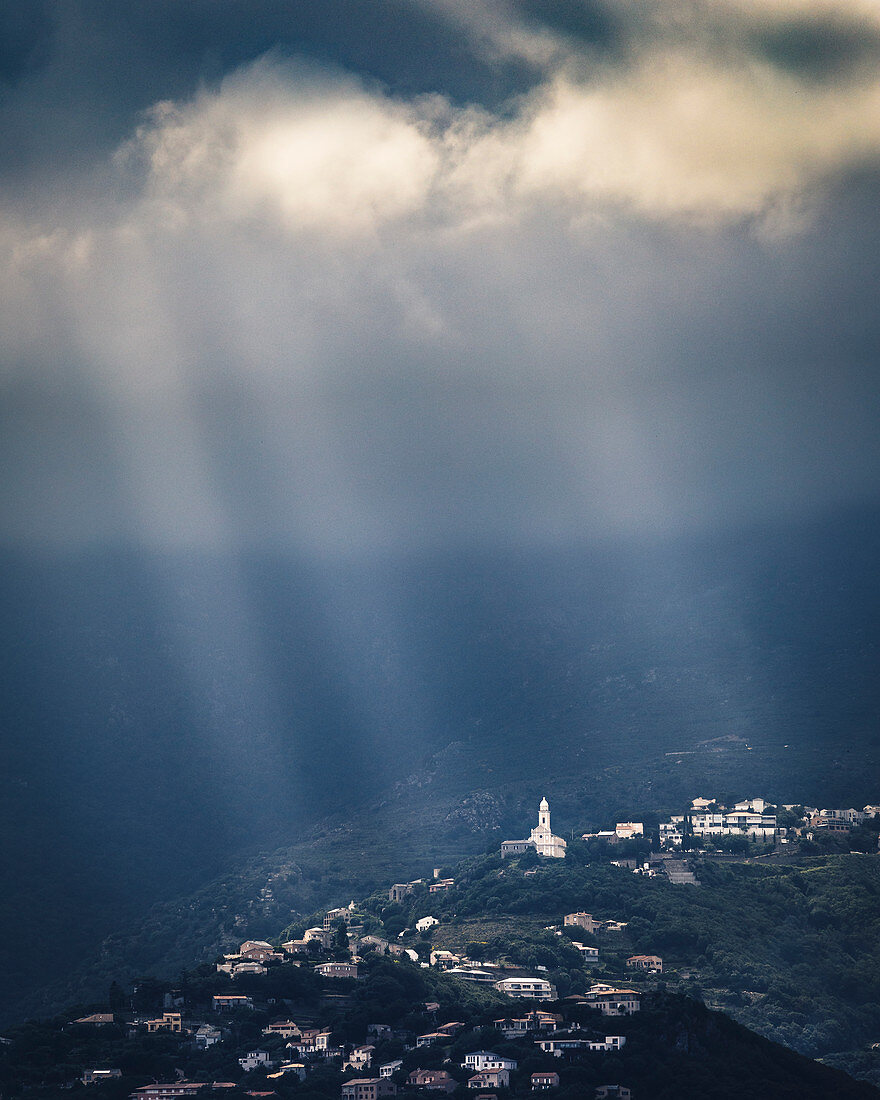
{"points": [[251, 958], [751, 818], [486, 1069], [835, 821], [439, 1080], [437, 885], [756, 819]]}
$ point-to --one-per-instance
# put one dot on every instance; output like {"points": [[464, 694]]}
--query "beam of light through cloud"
{"points": [[317, 313]]}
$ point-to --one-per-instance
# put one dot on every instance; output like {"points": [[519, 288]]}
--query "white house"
{"points": [[614, 1002], [425, 923], [533, 989], [254, 1059], [719, 823], [560, 1044], [207, 1035], [589, 954], [482, 1060], [471, 974], [360, 1058], [490, 1079], [337, 970]]}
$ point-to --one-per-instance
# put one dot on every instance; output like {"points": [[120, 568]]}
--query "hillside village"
{"points": [[304, 1011]]}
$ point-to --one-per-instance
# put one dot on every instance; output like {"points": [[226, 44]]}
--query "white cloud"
{"points": [[679, 135], [672, 133], [317, 152], [322, 314]]}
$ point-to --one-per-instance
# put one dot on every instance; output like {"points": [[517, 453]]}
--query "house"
{"points": [[370, 943], [451, 1028], [368, 1088], [651, 963], [611, 1042], [360, 1058], [334, 916], [472, 974], [672, 833], [545, 1080], [444, 959], [627, 829], [246, 966], [311, 1041], [442, 886], [296, 1068], [425, 923], [534, 989], [830, 825], [480, 1060], [534, 1021], [255, 945], [97, 1019], [760, 825], [170, 1021], [400, 890], [431, 1037], [387, 1068], [166, 1091], [227, 1002], [337, 970], [542, 839], [613, 1092], [286, 1029], [207, 1035], [255, 1059], [378, 1031], [581, 920], [560, 1044], [94, 1076], [490, 1079], [258, 951], [588, 954], [614, 1002], [437, 1079], [608, 835]]}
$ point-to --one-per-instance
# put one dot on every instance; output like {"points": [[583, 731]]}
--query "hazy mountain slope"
{"points": [[164, 718]]}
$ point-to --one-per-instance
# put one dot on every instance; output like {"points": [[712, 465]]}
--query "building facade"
{"points": [[541, 840]]}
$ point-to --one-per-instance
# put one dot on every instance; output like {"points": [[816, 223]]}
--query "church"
{"points": [[542, 839]]}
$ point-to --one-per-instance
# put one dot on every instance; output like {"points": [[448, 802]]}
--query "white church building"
{"points": [[542, 839]]}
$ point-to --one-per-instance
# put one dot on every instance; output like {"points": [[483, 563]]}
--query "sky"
{"points": [[382, 377], [358, 276]]}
